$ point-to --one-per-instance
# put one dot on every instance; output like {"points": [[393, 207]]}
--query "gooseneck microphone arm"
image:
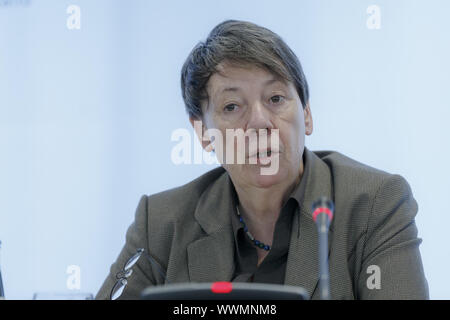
{"points": [[322, 216], [2, 293]]}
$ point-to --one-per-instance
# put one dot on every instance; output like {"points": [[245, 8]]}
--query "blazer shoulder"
{"points": [[353, 180], [173, 203], [346, 170]]}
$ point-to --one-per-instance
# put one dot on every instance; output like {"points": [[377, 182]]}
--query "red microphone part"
{"points": [[322, 210], [221, 287]]}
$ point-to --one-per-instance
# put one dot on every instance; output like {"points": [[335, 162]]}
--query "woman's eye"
{"points": [[230, 108], [278, 99]]}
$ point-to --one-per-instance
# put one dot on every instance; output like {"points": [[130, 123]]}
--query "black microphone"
{"points": [[2, 292], [322, 215]]}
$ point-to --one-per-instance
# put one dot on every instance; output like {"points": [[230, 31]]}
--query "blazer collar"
{"points": [[302, 268], [215, 204], [211, 258]]}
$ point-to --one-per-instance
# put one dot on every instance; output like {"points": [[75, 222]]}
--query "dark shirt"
{"points": [[273, 268]]}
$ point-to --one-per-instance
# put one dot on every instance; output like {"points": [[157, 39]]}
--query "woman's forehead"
{"points": [[229, 77], [227, 71]]}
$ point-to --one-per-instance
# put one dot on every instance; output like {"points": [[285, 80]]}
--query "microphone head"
{"points": [[323, 205]]}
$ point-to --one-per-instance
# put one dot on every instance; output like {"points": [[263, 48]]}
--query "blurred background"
{"points": [[90, 96]]}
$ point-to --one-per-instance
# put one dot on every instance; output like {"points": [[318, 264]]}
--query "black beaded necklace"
{"points": [[257, 243]]}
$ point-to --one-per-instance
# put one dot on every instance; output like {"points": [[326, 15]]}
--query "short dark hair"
{"points": [[238, 43]]}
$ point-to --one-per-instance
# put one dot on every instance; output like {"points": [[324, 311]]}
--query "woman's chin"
{"points": [[265, 180]]}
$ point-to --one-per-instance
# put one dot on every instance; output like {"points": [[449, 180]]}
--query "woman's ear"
{"points": [[201, 133], [308, 120]]}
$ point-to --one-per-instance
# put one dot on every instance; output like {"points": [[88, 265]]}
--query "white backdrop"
{"points": [[86, 115]]}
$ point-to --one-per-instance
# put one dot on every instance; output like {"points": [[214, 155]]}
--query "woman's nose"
{"points": [[260, 118]]}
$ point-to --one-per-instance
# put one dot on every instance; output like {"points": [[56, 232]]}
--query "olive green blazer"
{"points": [[188, 231]]}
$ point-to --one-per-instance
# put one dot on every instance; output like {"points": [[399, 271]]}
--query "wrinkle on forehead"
{"points": [[223, 70]]}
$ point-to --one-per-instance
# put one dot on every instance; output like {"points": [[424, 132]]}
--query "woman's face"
{"points": [[251, 99]]}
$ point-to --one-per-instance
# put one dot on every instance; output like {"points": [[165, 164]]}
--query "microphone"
{"points": [[322, 215], [2, 292]]}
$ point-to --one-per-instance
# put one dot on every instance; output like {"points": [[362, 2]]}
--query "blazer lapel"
{"points": [[302, 267], [211, 258]]}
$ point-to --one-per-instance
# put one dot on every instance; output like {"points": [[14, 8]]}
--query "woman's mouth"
{"points": [[264, 154], [262, 157]]}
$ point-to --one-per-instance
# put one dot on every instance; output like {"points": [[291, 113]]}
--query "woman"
{"points": [[235, 223]]}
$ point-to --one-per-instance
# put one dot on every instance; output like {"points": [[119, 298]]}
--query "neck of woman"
{"points": [[261, 207]]}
